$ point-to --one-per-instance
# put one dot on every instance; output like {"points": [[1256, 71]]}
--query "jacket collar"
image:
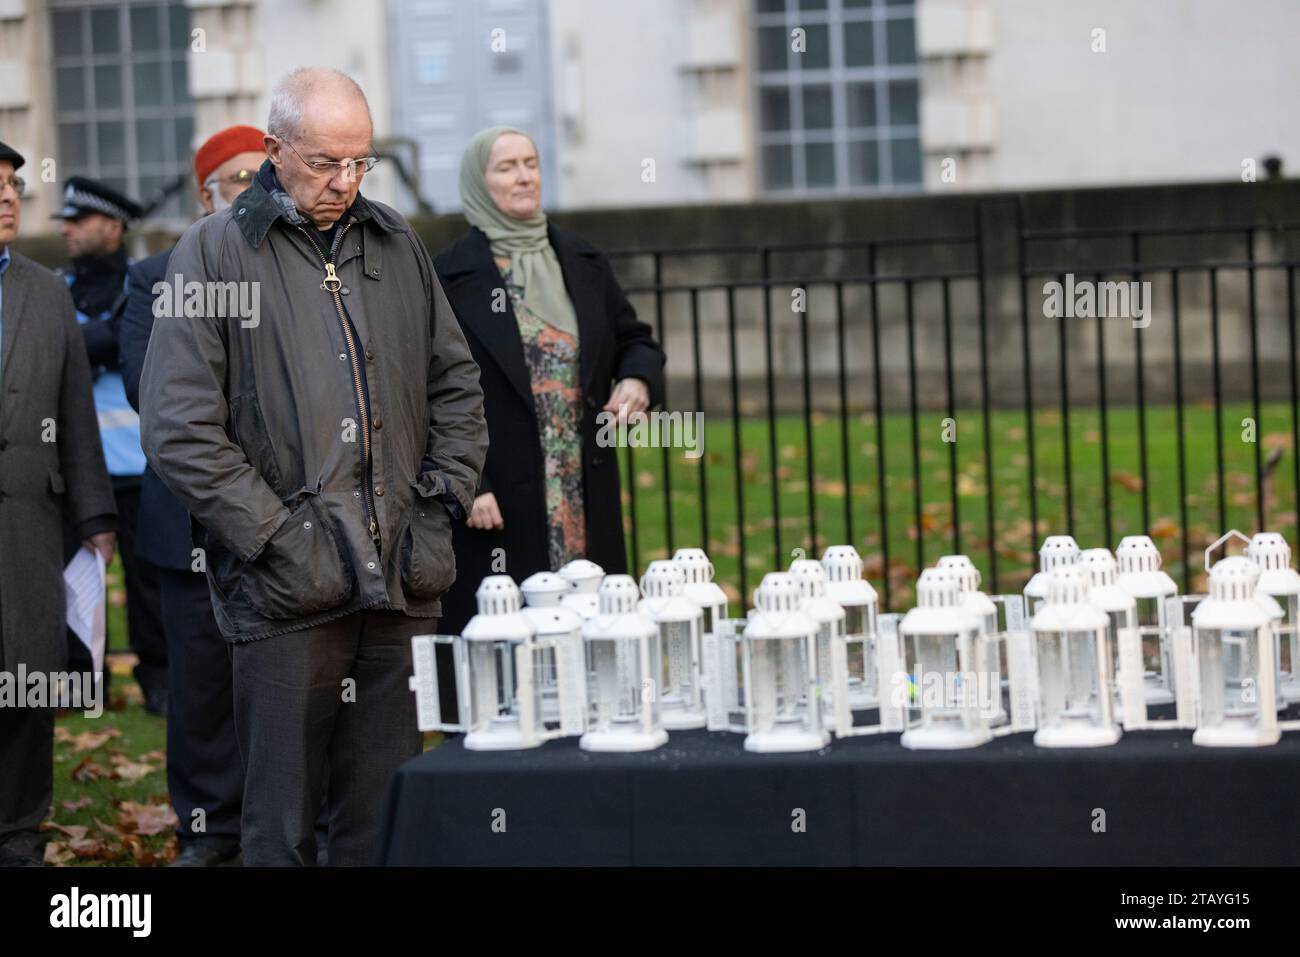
{"points": [[257, 207]]}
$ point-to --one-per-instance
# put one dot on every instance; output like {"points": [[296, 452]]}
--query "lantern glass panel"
{"points": [[938, 677], [1068, 677], [678, 665], [779, 674], [620, 687], [1228, 664]]}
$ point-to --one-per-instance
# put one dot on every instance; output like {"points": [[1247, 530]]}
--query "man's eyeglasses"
{"points": [[243, 177], [17, 182], [350, 168]]}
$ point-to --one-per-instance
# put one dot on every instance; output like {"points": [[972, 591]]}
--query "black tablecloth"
{"points": [[702, 800]]}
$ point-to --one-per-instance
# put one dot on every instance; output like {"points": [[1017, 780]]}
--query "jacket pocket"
{"points": [[428, 563], [301, 571]]}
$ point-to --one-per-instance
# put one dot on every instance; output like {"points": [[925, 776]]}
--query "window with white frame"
{"points": [[121, 97], [837, 92]]}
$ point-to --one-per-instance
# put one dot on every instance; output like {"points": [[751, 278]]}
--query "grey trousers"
{"points": [[334, 695]]}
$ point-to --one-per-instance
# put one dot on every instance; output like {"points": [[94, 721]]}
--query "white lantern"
{"points": [[780, 653], [1138, 562], [623, 655], [1233, 633], [679, 620], [558, 626], [497, 664], [988, 654], [584, 580], [847, 588], [942, 637], [829, 616], [1076, 698], [700, 586], [1057, 552], [1279, 581]]}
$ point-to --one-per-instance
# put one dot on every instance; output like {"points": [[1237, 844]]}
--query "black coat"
{"points": [[51, 464], [613, 344], [163, 537]]}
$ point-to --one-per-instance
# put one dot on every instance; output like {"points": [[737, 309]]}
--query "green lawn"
{"points": [[1016, 546]]}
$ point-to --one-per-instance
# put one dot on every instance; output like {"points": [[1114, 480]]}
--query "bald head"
{"points": [[308, 91], [319, 116]]}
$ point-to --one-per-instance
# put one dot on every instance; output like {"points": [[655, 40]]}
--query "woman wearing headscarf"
{"points": [[557, 343]]}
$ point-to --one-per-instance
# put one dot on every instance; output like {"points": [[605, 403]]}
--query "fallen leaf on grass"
{"points": [[88, 770], [145, 819], [74, 831], [124, 769], [77, 804], [87, 740], [58, 852], [1127, 481]]}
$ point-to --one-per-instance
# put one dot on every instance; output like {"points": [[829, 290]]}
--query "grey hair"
{"points": [[291, 92]]}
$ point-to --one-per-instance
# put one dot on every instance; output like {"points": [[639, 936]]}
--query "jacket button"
{"points": [[597, 461], [370, 355], [345, 290], [379, 490], [343, 357], [379, 424]]}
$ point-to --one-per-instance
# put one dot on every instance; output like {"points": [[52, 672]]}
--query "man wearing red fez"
{"points": [[204, 774]]}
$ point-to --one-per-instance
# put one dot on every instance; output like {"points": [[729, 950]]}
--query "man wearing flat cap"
{"points": [[204, 773], [95, 219], [51, 468]]}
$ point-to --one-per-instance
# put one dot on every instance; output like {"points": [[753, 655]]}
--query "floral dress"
{"points": [[552, 359]]}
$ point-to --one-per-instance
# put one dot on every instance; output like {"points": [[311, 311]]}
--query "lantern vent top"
{"points": [[544, 589], [1057, 551], [963, 569], [663, 579], [1234, 579], [842, 563], [777, 593], [937, 588], [1269, 551], [583, 576], [695, 564], [1137, 553], [1100, 566], [618, 595], [811, 577], [498, 595], [1068, 586]]}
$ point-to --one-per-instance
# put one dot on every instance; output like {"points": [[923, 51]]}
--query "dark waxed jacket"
{"points": [[324, 450]]}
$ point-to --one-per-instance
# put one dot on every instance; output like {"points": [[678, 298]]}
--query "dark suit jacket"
{"points": [[163, 536], [51, 463], [613, 344]]}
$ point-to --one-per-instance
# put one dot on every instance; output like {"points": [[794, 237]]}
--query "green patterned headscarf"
{"points": [[534, 264]]}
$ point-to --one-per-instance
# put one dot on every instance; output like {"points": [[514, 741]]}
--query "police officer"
{"points": [[95, 219]]}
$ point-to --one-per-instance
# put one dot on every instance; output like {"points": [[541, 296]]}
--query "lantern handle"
{"points": [[1221, 540]]}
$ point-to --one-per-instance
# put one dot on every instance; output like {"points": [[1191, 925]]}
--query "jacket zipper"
{"points": [[331, 284]]}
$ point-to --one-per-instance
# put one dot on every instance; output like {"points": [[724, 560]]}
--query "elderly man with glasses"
{"points": [[324, 445], [51, 464]]}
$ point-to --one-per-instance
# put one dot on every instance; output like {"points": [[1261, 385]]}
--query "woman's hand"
{"points": [[103, 542], [632, 393], [485, 513]]}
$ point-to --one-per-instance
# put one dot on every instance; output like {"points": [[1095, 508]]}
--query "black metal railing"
{"points": [[860, 364]]}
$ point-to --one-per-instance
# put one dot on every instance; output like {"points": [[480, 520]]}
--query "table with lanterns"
{"points": [[1099, 718]]}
